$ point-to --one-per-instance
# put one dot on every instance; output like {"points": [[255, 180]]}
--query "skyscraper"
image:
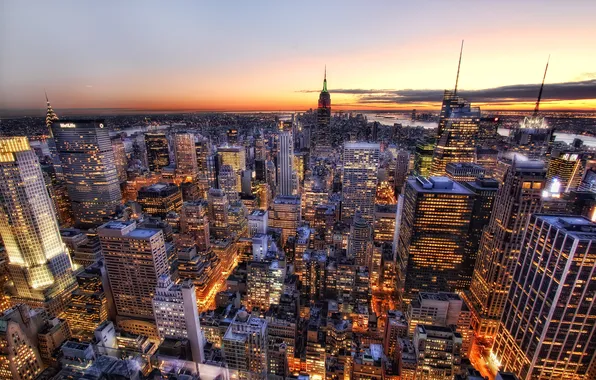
{"points": [[218, 213], [39, 265], [120, 159], [432, 237], [549, 317], [186, 155], [176, 314], [134, 259], [158, 152], [286, 177], [206, 163], [160, 198], [245, 346], [360, 241], [51, 117], [458, 127], [90, 173], [516, 200], [228, 183], [360, 169], [235, 156], [194, 223], [322, 133]]}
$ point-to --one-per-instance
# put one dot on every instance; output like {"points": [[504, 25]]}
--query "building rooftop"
{"points": [[361, 145], [439, 185], [578, 226]]}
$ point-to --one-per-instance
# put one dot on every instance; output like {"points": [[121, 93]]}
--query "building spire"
{"points": [[541, 87], [325, 80], [458, 66], [50, 114]]}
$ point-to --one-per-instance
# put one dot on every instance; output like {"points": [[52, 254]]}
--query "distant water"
{"points": [[392, 118]]}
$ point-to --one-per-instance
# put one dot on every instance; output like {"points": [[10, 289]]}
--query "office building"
{"points": [[218, 213], [120, 159], [402, 168], [286, 176], [432, 237], [439, 352], [286, 214], [567, 168], [176, 314], [423, 158], [264, 284], [258, 221], [518, 198], [360, 241], [89, 168], [549, 317], [245, 346], [88, 307], [485, 192], [134, 259], [186, 156], [206, 159], [385, 222], [38, 262], [194, 224], [158, 150], [228, 183], [160, 199], [235, 156], [464, 172], [456, 137], [359, 185], [19, 356], [322, 135]]}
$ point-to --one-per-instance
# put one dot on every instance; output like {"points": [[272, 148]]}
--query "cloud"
{"points": [[515, 93]]}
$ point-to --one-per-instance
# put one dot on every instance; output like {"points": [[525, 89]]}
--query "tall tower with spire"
{"points": [[322, 133], [533, 136], [50, 115], [457, 130]]}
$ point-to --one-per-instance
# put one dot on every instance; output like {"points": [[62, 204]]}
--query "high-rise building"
{"points": [[19, 356], [360, 169], [218, 213], [176, 314], [88, 306], [485, 191], [286, 214], [258, 221], [235, 156], [518, 198], [549, 317], [89, 168], [186, 155], [360, 241], [567, 168], [439, 352], [206, 158], [158, 151], [134, 259], [264, 283], [423, 158], [322, 133], [286, 176], [228, 183], [245, 346], [194, 223], [38, 263], [402, 168], [456, 137], [464, 172], [120, 159], [432, 237], [159, 199]]}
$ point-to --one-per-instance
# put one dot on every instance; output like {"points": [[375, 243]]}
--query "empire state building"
{"points": [[323, 116]]}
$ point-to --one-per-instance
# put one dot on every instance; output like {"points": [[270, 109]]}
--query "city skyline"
{"points": [[247, 58]]}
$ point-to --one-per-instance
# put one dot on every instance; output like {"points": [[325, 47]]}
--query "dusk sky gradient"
{"points": [[253, 55]]}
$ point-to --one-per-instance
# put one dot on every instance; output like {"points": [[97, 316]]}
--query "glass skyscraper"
{"points": [[87, 160]]}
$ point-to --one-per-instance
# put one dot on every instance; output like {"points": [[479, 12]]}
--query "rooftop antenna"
{"points": [[458, 66], [541, 87]]}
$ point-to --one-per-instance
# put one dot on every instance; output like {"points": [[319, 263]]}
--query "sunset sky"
{"points": [[253, 55]]}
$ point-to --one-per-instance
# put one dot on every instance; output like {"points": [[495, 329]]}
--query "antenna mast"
{"points": [[458, 66], [541, 87]]}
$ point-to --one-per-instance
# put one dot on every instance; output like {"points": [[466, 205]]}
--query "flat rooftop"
{"points": [[438, 185], [577, 226]]}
